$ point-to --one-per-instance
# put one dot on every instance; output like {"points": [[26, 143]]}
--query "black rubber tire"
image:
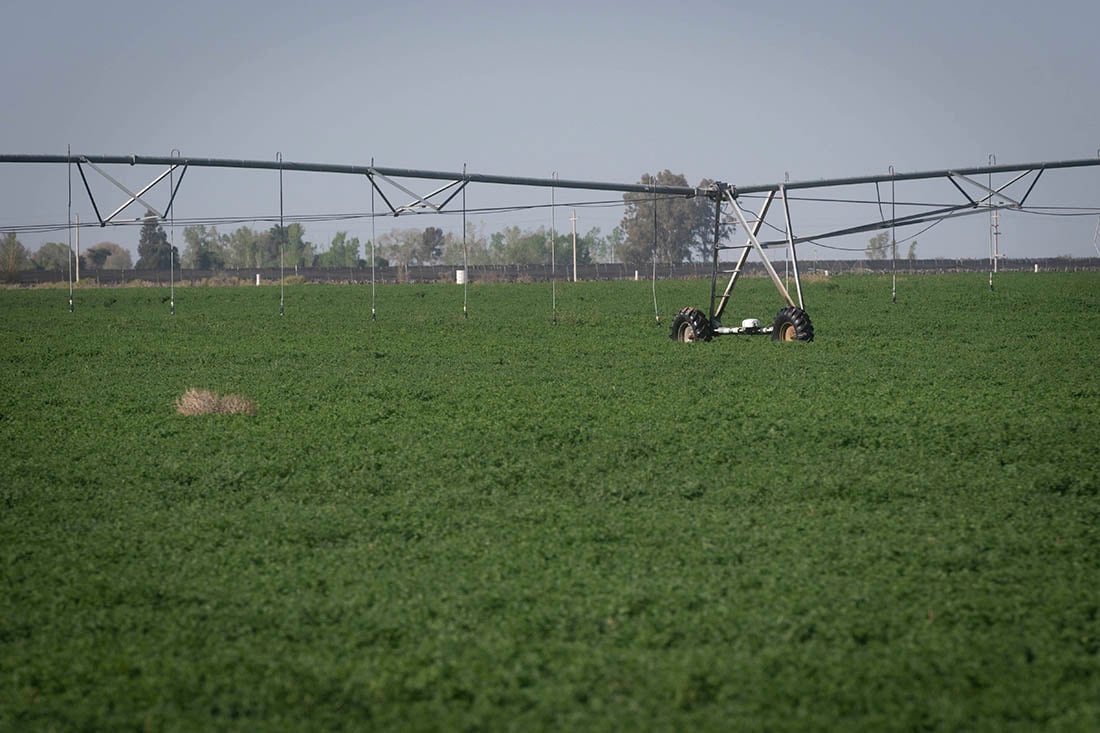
{"points": [[792, 324], [691, 324]]}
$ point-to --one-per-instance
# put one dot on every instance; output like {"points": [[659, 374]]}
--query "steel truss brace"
{"points": [[729, 194], [731, 197], [998, 193], [134, 197], [418, 202], [716, 311], [973, 205]]}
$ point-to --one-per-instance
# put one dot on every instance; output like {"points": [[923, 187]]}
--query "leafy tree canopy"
{"points": [[878, 246], [52, 256], [154, 251], [681, 228], [107, 256], [13, 256]]}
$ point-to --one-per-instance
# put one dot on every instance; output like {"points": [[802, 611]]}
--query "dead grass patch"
{"points": [[204, 402]]}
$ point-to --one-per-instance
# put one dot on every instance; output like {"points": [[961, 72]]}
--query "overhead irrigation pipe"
{"points": [[371, 170], [686, 191], [916, 175]]}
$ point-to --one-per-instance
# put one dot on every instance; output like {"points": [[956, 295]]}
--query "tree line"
{"points": [[665, 228]]}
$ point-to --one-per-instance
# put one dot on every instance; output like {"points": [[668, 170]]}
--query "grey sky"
{"points": [[743, 92]]}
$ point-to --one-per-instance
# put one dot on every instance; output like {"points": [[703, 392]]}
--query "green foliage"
{"points": [[245, 247], [106, 256], [432, 243], [205, 250], [299, 252], [154, 250], [52, 256], [878, 246], [342, 252], [13, 257], [681, 228], [494, 523]]}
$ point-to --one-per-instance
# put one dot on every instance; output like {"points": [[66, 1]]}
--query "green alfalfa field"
{"points": [[439, 523]]}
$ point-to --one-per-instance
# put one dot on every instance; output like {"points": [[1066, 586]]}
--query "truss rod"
{"points": [[717, 311], [992, 192], [759, 250], [940, 214]]}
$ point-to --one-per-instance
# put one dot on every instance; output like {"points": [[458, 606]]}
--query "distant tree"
{"points": [[205, 249], [431, 245], [496, 248], [270, 248], [239, 246], [107, 256], [563, 250], [244, 247], [878, 247], [401, 246], [94, 258], [342, 252], [683, 226], [515, 246], [585, 245], [298, 252], [52, 256], [615, 242], [154, 251], [912, 254], [599, 246], [13, 257], [477, 246]]}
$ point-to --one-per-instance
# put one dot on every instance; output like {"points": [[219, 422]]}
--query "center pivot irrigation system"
{"points": [[791, 323]]}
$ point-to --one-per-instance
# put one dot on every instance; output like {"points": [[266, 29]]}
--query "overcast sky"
{"points": [[743, 92]]}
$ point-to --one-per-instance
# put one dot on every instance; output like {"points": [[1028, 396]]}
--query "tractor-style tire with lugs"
{"points": [[792, 324], [691, 324]]}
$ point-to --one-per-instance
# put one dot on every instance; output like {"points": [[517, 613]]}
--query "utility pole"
{"points": [[78, 247], [574, 220]]}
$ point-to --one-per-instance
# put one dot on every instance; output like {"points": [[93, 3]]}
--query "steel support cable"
{"points": [[656, 311], [69, 259], [172, 241], [838, 248], [465, 255], [893, 240], [306, 218], [553, 272], [1034, 211], [992, 221], [373, 257], [866, 202], [282, 239]]}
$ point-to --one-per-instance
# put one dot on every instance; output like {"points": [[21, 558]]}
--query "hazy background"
{"points": [[743, 92]]}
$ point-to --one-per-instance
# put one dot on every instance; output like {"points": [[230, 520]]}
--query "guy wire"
{"points": [[465, 256], [69, 259], [373, 314], [656, 312], [282, 238]]}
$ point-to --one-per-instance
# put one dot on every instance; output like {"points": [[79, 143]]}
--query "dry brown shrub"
{"points": [[204, 402], [236, 405]]}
